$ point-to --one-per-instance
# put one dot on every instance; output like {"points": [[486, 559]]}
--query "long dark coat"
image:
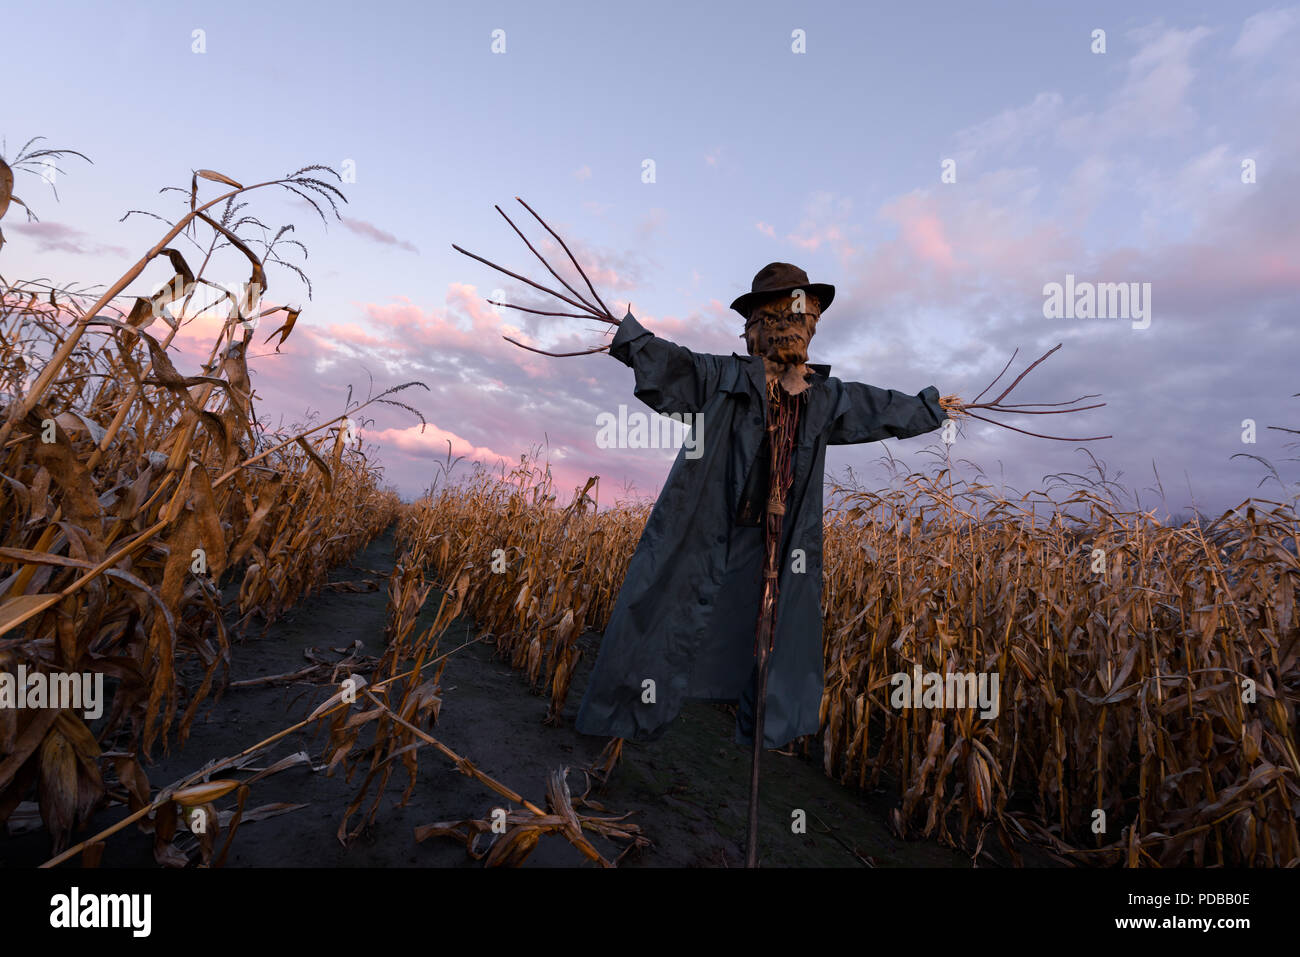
{"points": [[686, 615]]}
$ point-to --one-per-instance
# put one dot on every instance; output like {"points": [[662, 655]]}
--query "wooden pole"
{"points": [[760, 710]]}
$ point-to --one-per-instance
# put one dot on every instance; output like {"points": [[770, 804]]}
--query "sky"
{"points": [[940, 164]]}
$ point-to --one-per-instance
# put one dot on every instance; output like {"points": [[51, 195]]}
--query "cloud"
{"points": [[1261, 32], [1152, 100], [582, 173], [936, 285], [351, 333], [957, 289], [607, 269], [57, 237], [1008, 131], [922, 231], [492, 400], [422, 442], [372, 232], [653, 221], [826, 220]]}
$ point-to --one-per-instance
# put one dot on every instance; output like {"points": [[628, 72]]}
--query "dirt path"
{"points": [[688, 789]]}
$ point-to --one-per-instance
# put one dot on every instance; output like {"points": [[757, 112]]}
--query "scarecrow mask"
{"points": [[780, 328]]}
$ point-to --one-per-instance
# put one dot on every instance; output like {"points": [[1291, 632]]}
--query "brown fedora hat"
{"points": [[777, 278]]}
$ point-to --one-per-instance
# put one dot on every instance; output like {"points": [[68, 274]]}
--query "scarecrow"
{"points": [[738, 523]]}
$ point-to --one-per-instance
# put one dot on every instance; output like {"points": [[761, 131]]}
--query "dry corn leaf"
{"points": [[205, 793]]}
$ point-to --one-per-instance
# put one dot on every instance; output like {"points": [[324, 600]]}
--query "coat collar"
{"points": [[750, 380]]}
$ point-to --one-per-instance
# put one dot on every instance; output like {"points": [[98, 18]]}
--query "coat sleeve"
{"points": [[865, 413], [669, 377]]}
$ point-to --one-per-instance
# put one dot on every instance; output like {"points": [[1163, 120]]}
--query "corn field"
{"points": [[119, 530], [1148, 673], [131, 494]]}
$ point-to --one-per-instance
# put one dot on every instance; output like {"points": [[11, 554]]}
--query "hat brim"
{"points": [[824, 293]]}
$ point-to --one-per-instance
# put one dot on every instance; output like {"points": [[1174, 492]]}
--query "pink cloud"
{"points": [[816, 237], [922, 230], [433, 441], [351, 333]]}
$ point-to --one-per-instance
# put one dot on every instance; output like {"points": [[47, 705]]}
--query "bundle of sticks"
{"points": [[589, 310], [958, 409]]}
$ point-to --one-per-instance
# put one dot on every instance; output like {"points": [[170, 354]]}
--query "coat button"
{"points": [[704, 601], [757, 420], [722, 539]]}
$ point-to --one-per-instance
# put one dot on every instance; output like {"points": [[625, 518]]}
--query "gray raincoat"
{"points": [[684, 622]]}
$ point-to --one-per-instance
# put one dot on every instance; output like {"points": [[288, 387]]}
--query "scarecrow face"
{"points": [[780, 328]]}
